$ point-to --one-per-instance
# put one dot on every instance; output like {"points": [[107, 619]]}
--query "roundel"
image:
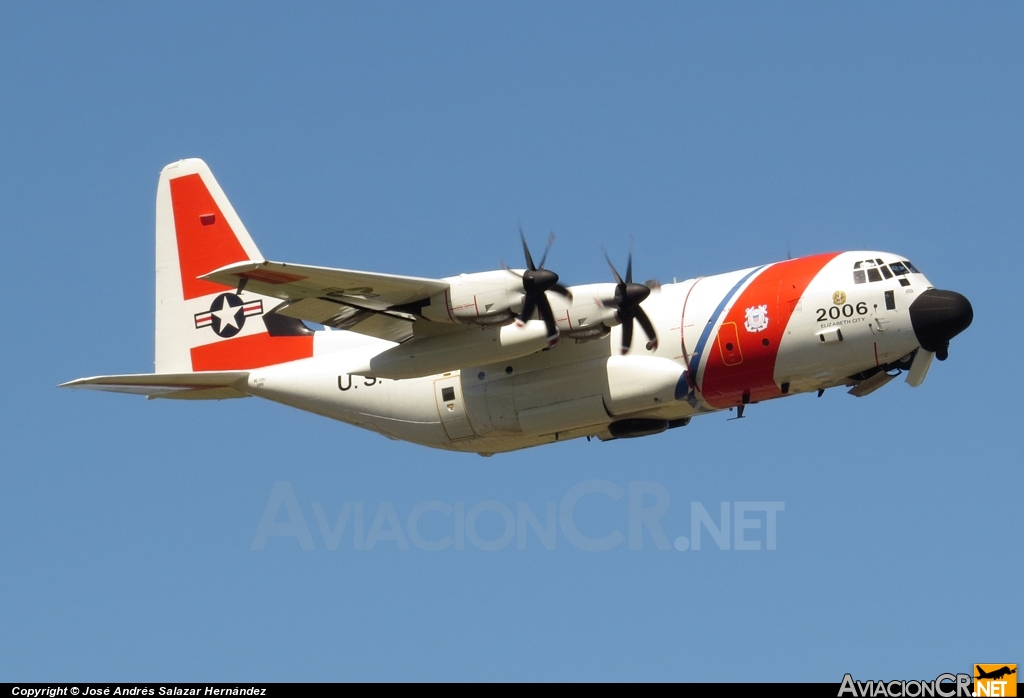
{"points": [[228, 317], [227, 314], [839, 297]]}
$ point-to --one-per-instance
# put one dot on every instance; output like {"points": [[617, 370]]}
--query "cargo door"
{"points": [[452, 408]]}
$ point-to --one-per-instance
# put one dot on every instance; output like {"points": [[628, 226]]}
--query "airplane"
{"points": [[996, 674], [507, 359]]}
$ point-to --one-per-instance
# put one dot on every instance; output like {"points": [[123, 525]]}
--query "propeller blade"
{"points": [[648, 327], [618, 279], [528, 306], [628, 297], [561, 290], [549, 317], [551, 239], [510, 271], [526, 250], [627, 333]]}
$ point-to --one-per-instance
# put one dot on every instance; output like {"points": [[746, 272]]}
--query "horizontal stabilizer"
{"points": [[207, 385]]}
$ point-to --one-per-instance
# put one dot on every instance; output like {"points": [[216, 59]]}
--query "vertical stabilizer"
{"points": [[201, 325]]}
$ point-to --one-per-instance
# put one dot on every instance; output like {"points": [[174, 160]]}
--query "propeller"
{"points": [[537, 281], [628, 297]]}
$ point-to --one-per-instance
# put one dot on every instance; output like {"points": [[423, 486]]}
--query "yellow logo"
{"points": [[995, 680], [839, 297]]}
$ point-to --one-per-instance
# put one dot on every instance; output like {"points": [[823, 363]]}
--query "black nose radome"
{"points": [[937, 317]]}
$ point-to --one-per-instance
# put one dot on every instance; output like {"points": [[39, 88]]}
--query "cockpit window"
{"points": [[898, 268], [868, 270], [911, 267]]}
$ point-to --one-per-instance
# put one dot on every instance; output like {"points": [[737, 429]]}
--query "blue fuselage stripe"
{"points": [[712, 321]]}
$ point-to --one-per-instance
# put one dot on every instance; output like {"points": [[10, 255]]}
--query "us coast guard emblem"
{"points": [[757, 318]]}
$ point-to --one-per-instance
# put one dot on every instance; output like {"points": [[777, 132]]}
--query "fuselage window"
{"points": [[858, 277], [873, 274]]}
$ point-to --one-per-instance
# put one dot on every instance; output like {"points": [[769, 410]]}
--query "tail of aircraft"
{"points": [[203, 326], [200, 325]]}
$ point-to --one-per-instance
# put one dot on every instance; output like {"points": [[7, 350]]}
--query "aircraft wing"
{"points": [[358, 301]]}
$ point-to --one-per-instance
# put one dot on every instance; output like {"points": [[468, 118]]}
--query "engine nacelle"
{"points": [[484, 298], [495, 297], [637, 383], [586, 316]]}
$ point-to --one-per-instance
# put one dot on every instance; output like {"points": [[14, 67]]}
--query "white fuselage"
{"points": [[725, 340]]}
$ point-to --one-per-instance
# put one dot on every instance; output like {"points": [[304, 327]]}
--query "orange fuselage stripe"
{"points": [[251, 351], [779, 287]]}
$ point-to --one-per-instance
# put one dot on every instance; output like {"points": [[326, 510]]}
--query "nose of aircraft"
{"points": [[937, 317]]}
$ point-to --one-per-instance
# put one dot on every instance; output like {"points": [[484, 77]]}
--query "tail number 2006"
{"points": [[838, 311]]}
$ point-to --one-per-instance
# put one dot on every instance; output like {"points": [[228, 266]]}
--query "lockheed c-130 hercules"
{"points": [[506, 359]]}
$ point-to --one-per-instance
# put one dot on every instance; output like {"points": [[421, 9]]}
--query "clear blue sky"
{"points": [[409, 138]]}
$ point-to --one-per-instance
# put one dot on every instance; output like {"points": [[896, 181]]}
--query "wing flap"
{"points": [[394, 327]]}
